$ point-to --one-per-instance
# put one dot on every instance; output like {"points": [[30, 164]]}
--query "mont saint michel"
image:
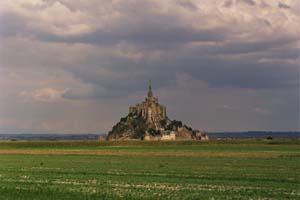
{"points": [[148, 120]]}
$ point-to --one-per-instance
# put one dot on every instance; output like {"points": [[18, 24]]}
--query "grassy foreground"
{"points": [[232, 169]]}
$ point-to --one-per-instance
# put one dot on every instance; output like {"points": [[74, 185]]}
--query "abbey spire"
{"points": [[150, 109], [150, 93]]}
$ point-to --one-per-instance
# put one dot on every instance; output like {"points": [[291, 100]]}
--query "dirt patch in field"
{"points": [[129, 153]]}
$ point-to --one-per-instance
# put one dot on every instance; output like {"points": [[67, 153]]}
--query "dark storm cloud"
{"points": [[159, 37], [283, 53], [242, 73], [249, 2], [283, 6], [263, 4], [205, 63], [187, 4], [228, 3], [11, 24], [150, 30], [268, 47], [132, 77], [254, 46], [149, 34], [216, 71]]}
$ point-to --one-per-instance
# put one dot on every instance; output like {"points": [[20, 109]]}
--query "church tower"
{"points": [[150, 93], [150, 109]]}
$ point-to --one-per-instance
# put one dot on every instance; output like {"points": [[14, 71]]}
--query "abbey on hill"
{"points": [[150, 110], [148, 121]]}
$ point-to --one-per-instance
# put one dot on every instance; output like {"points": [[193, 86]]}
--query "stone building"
{"points": [[150, 110], [169, 136], [148, 121]]}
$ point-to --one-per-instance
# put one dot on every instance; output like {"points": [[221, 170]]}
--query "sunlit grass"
{"points": [[209, 170]]}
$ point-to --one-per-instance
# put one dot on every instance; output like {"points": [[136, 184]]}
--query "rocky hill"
{"points": [[148, 121], [134, 126]]}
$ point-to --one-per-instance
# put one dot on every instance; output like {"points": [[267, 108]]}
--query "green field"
{"points": [[232, 169]]}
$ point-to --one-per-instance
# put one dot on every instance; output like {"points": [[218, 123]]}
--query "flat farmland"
{"points": [[216, 169]]}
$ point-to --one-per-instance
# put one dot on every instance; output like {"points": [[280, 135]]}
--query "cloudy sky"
{"points": [[74, 66]]}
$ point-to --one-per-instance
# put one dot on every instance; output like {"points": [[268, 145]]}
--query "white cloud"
{"points": [[47, 17], [49, 95]]}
